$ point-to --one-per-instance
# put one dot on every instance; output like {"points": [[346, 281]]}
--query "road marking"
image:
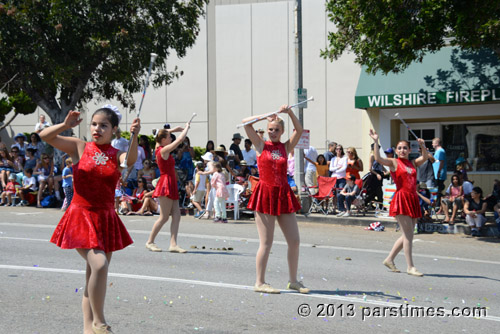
{"points": [[276, 242], [363, 300]]}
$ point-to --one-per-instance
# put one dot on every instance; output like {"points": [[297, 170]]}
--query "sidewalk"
{"points": [[489, 230]]}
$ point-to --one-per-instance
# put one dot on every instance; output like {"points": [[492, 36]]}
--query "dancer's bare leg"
{"points": [[407, 227], [288, 224], [265, 227], [174, 225], [165, 209], [95, 287], [398, 246]]}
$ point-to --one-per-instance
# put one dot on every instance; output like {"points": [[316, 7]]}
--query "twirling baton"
{"points": [[194, 115], [273, 113], [146, 84], [405, 124]]}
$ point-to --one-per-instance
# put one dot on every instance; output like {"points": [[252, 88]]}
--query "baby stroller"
{"points": [[181, 184], [359, 204]]}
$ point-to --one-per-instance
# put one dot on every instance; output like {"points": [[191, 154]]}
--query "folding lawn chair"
{"points": [[326, 191]]}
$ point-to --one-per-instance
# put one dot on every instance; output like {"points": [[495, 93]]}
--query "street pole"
{"points": [[299, 153]]}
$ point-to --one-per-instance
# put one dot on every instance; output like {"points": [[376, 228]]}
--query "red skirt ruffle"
{"points": [[99, 228], [167, 186], [405, 203], [273, 200]]}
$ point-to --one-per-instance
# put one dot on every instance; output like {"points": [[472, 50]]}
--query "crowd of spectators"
{"points": [[31, 172]]}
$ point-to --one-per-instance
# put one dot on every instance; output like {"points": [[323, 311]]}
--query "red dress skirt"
{"points": [[167, 184], [272, 194], [91, 222], [405, 200]]}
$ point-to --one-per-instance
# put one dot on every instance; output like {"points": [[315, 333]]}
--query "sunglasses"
{"points": [[15, 151], [349, 152]]}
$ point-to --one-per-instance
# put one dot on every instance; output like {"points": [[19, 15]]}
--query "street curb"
{"points": [[489, 230]]}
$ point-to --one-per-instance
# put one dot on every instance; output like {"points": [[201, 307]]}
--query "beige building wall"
{"points": [[243, 64]]}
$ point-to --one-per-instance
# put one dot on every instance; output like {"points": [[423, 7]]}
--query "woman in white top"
{"points": [[338, 166]]}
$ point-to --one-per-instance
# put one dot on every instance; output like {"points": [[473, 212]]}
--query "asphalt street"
{"points": [[210, 288]]}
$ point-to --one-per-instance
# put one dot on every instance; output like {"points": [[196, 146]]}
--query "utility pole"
{"points": [[299, 153]]}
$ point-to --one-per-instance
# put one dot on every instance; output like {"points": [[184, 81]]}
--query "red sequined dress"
{"points": [[272, 194], [91, 221], [405, 200], [167, 185]]}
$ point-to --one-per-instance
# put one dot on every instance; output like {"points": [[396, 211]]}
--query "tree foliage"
{"points": [[63, 53], [388, 35]]}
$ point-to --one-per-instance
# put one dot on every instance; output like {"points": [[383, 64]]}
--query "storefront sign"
{"points": [[428, 98]]}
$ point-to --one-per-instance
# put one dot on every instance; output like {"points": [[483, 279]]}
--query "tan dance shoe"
{"points": [[391, 266], [414, 272], [265, 288]]}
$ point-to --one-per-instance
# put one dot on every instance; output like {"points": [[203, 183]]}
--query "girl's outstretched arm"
{"points": [[389, 162], [165, 152], [72, 146]]}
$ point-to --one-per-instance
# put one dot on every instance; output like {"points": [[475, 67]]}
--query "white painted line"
{"points": [[232, 286], [282, 243]]}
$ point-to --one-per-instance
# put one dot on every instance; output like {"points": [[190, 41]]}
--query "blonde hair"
{"points": [[354, 152], [280, 121], [68, 161], [218, 167]]}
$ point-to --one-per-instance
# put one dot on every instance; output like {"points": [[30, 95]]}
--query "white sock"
{"points": [[58, 195]]}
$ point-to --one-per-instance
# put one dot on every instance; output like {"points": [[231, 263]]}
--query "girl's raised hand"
{"points": [[136, 126], [285, 109], [373, 135], [72, 119]]}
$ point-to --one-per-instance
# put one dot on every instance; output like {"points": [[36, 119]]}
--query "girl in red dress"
{"points": [[166, 189], [404, 205], [90, 224], [273, 198]]}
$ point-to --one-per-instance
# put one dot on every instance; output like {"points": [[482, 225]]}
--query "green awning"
{"points": [[449, 76]]}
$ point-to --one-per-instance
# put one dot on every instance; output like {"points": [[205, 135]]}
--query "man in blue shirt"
{"points": [[439, 163]]}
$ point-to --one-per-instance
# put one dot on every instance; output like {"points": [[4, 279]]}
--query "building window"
{"points": [[478, 143]]}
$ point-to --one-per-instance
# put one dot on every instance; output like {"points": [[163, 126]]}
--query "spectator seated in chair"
{"points": [[10, 190], [453, 199], [29, 186], [347, 195], [474, 208]]}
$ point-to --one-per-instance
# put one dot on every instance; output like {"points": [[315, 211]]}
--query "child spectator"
{"points": [[218, 182], [321, 165], [9, 190], [200, 188], [67, 183], [348, 194], [29, 185]]}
